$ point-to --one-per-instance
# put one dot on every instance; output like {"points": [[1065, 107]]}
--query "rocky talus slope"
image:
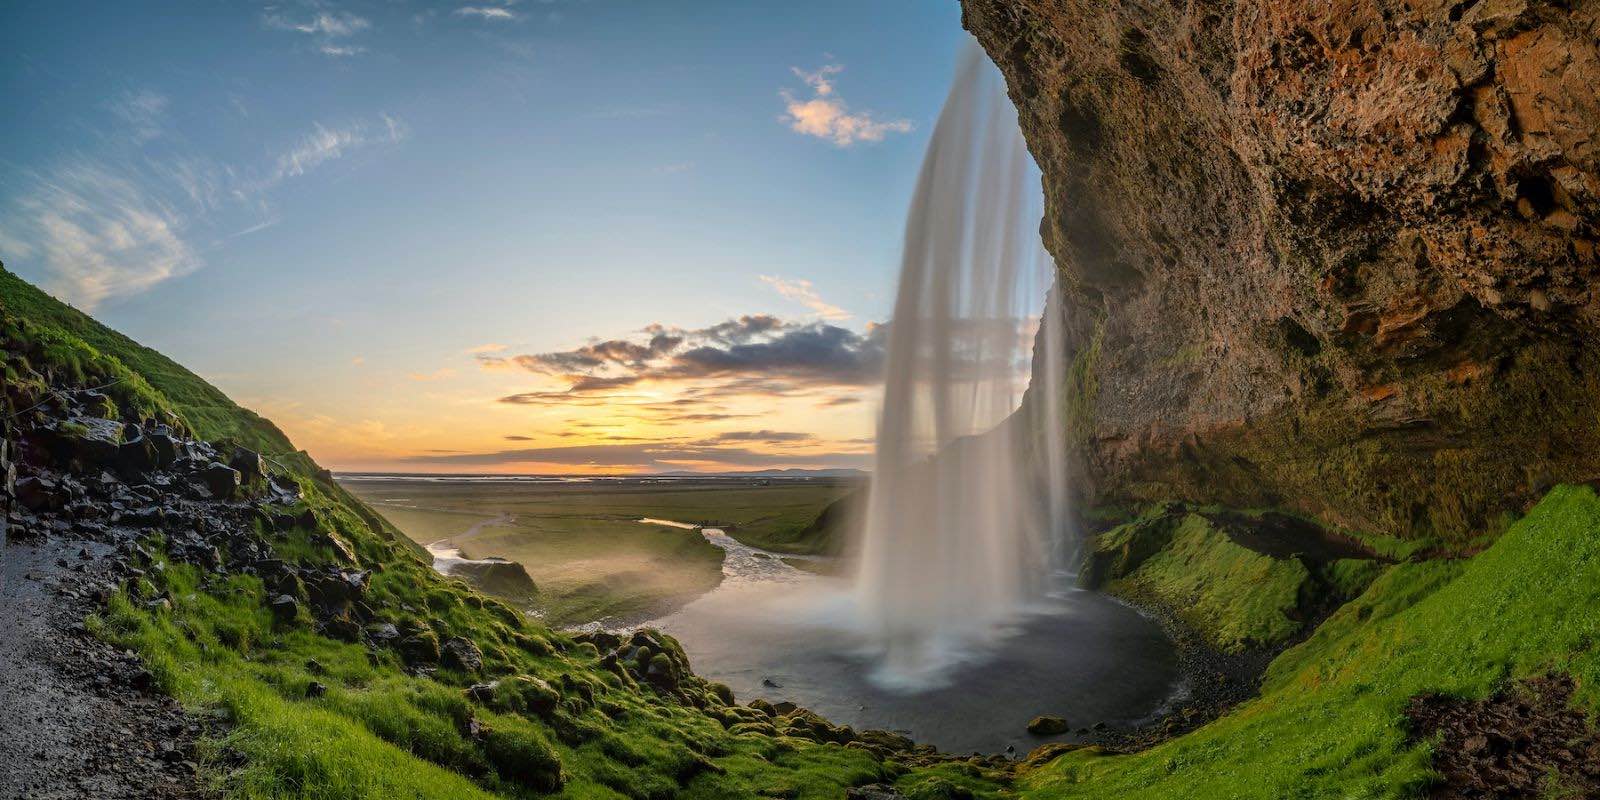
{"points": [[1332, 257]]}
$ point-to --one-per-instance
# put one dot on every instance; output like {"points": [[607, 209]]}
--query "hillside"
{"points": [[316, 652], [316, 655]]}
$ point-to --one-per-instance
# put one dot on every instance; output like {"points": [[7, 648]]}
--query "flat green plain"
{"points": [[582, 542]]}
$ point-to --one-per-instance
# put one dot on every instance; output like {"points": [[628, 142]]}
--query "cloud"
{"points": [[326, 29], [802, 292], [100, 235], [825, 115], [486, 348], [341, 51], [336, 24], [120, 220], [753, 354], [647, 455], [326, 144], [764, 436], [486, 12], [143, 112]]}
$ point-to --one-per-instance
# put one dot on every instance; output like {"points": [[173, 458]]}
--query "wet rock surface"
{"points": [[1510, 745], [81, 500], [81, 719], [1332, 257]]}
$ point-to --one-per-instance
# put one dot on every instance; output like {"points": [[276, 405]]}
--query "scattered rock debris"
{"points": [[1525, 741]]}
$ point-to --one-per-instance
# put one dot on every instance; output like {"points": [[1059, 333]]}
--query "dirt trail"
{"points": [[77, 717]]}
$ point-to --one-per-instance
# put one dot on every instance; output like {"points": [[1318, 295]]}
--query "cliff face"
{"points": [[1331, 256]]}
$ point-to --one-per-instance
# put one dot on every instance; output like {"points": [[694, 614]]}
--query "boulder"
{"points": [[39, 494], [165, 448], [85, 443], [341, 627], [336, 589], [421, 647], [382, 632], [220, 479], [136, 454], [483, 692], [460, 653], [249, 464], [1046, 725], [284, 608]]}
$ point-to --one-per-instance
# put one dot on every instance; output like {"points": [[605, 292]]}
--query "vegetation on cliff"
{"points": [[1331, 719]]}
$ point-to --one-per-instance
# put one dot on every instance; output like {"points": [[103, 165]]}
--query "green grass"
{"points": [[96, 353], [1236, 597], [1329, 721], [379, 732]]}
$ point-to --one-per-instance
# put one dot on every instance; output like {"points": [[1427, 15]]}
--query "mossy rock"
{"points": [[420, 648], [521, 754]]}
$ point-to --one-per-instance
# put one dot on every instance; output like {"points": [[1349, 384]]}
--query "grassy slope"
{"points": [[380, 732], [1329, 720], [207, 411], [1239, 598]]}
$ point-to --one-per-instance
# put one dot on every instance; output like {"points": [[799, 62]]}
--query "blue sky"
{"points": [[353, 216]]}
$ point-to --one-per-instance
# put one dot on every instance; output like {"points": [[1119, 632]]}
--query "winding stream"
{"points": [[780, 633]]}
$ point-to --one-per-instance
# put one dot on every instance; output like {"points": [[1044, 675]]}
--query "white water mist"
{"points": [[967, 496]]}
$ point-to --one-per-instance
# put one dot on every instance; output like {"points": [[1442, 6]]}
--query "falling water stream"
{"points": [[965, 502], [960, 622]]}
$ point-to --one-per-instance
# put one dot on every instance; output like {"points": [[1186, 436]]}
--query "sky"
{"points": [[560, 236]]}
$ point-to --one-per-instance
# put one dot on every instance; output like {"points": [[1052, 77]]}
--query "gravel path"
{"points": [[78, 718]]}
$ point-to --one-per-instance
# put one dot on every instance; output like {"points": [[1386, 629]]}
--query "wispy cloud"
{"points": [[653, 455], [100, 235], [327, 29], [491, 347], [116, 222], [487, 12], [824, 114], [342, 51], [325, 143], [802, 292], [143, 113]]}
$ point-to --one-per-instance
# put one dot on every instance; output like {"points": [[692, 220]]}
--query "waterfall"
{"points": [[967, 495]]}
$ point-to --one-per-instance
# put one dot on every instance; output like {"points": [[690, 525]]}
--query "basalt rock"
{"points": [[249, 464], [460, 653], [1339, 258], [220, 479]]}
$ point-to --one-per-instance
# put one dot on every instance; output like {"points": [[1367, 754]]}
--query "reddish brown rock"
{"points": [[1332, 256]]}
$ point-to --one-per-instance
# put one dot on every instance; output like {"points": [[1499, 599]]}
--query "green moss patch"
{"points": [[1234, 596]]}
